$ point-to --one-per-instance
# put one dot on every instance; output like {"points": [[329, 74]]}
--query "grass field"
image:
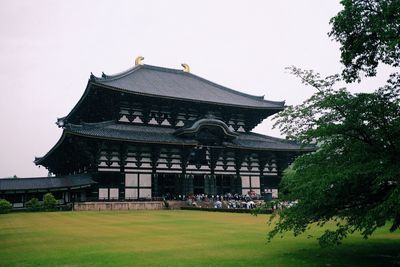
{"points": [[174, 238]]}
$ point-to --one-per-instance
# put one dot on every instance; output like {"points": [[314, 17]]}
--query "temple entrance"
{"points": [[224, 184], [166, 184], [172, 185], [198, 184]]}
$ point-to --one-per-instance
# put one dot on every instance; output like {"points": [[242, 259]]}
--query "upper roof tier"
{"points": [[177, 84]]}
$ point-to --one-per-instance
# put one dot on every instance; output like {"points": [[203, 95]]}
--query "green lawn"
{"points": [[173, 238]]}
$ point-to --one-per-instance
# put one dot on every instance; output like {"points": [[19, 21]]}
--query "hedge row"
{"points": [[49, 204]]}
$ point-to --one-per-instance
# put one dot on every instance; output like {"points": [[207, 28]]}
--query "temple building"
{"points": [[151, 131]]}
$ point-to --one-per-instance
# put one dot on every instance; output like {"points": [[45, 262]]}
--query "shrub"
{"points": [[5, 206], [49, 202], [33, 204]]}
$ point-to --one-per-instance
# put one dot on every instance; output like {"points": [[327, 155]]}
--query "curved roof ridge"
{"points": [[106, 77], [260, 98], [204, 80], [47, 177], [113, 77]]}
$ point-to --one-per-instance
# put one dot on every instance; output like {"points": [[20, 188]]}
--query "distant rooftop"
{"points": [[180, 84], [45, 183]]}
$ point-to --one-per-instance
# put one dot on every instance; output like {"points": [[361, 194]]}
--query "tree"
{"points": [[353, 178], [49, 202], [33, 204], [369, 33], [5, 206]]}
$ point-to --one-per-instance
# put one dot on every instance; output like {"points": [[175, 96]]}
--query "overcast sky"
{"points": [[49, 48]]}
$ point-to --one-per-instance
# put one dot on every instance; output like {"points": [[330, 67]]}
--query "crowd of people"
{"points": [[228, 201]]}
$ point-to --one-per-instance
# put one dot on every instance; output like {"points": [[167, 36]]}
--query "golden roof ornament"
{"points": [[139, 60], [186, 67]]}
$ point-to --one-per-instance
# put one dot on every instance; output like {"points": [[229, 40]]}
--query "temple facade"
{"points": [[151, 131]]}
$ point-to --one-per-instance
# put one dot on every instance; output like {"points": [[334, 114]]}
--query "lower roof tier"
{"points": [[211, 133], [166, 135]]}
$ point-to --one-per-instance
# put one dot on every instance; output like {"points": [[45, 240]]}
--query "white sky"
{"points": [[49, 48]]}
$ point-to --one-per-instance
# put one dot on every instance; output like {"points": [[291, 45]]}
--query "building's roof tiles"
{"points": [[177, 84], [128, 132], [43, 183], [165, 135]]}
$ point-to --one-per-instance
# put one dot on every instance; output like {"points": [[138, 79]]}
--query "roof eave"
{"points": [[40, 160], [85, 93]]}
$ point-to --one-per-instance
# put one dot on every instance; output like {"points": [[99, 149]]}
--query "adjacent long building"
{"points": [[151, 131]]}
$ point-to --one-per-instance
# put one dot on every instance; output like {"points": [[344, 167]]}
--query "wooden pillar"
{"points": [[239, 158], [207, 185], [155, 154], [186, 180], [188, 184], [238, 184], [262, 162], [214, 184], [179, 184], [23, 199], [210, 186], [154, 184], [123, 155], [214, 154]]}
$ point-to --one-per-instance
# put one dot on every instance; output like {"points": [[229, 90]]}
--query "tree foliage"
{"points": [[5, 206], [369, 33], [353, 178], [49, 202], [33, 204]]}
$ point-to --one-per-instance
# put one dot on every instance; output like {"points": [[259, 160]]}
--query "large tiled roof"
{"points": [[177, 84], [165, 135], [128, 132], [43, 183]]}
